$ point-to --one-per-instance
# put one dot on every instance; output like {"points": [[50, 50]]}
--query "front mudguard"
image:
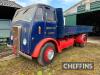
{"points": [[38, 47]]}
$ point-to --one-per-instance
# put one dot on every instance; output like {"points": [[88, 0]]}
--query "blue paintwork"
{"points": [[32, 35], [60, 18], [36, 37], [25, 34], [52, 25], [60, 23]]}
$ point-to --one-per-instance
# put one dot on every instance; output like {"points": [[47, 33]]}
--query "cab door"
{"points": [[51, 24], [38, 29]]}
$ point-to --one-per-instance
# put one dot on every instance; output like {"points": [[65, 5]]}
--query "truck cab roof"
{"points": [[37, 5]]}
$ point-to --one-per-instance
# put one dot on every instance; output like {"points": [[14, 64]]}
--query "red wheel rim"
{"points": [[85, 39], [48, 54]]}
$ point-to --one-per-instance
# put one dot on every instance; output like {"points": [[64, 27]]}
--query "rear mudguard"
{"points": [[38, 47], [80, 39]]}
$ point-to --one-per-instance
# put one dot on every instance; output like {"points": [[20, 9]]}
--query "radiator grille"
{"points": [[16, 37]]}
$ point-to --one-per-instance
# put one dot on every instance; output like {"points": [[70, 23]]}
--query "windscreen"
{"points": [[25, 14]]}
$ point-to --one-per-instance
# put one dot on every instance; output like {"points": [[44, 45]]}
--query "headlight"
{"points": [[11, 37], [24, 41]]}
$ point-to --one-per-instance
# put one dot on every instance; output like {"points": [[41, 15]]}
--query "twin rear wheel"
{"points": [[47, 54], [83, 39]]}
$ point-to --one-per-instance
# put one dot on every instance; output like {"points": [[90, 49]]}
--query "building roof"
{"points": [[74, 5], [9, 4]]}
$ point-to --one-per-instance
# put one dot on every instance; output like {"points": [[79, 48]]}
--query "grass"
{"points": [[23, 66], [3, 48]]}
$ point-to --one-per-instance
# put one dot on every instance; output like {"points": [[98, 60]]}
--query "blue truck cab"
{"points": [[38, 31]]}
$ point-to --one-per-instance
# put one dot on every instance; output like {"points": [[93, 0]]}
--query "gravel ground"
{"points": [[94, 40], [23, 66], [4, 50]]}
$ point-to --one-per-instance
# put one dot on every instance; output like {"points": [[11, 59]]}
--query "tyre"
{"points": [[47, 54], [82, 45], [76, 44], [84, 38]]}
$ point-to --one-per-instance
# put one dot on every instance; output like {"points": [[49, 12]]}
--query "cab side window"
{"points": [[50, 15], [39, 15]]}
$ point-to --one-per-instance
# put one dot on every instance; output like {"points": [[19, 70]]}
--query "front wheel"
{"points": [[47, 54]]}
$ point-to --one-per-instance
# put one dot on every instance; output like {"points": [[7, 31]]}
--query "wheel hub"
{"points": [[50, 54]]}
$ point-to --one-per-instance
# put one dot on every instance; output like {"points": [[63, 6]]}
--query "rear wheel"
{"points": [[47, 54], [83, 39]]}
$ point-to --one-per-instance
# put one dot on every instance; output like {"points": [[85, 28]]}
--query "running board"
{"points": [[25, 55]]}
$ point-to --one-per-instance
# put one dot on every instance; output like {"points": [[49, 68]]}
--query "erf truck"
{"points": [[38, 32]]}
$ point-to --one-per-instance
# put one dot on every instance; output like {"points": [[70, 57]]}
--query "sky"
{"points": [[65, 4]]}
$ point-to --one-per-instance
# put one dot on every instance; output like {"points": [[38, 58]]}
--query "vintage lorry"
{"points": [[38, 32]]}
